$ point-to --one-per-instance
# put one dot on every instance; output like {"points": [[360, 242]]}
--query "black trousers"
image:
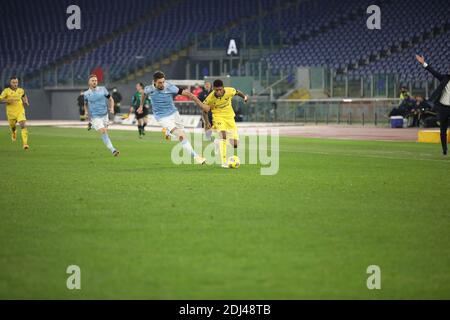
{"points": [[443, 116]]}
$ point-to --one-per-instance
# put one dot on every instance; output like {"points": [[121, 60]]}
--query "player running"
{"points": [[15, 99], [219, 103], [161, 94], [96, 101], [142, 118]]}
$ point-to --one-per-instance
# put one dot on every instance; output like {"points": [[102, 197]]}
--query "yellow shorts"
{"points": [[15, 117], [226, 124]]}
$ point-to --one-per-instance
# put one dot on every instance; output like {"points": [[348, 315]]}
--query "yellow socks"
{"points": [[24, 136], [223, 150]]}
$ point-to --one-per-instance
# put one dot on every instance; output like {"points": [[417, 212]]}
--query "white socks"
{"points": [[188, 147]]}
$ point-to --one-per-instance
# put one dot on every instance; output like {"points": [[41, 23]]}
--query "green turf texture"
{"points": [[140, 227]]}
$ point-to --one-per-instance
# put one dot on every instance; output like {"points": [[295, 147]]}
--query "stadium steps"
{"points": [[300, 93], [182, 53], [150, 14], [399, 47]]}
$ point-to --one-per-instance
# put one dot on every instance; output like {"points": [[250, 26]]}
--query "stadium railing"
{"points": [[319, 111], [370, 112]]}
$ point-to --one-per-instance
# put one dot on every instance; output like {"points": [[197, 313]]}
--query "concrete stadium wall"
{"points": [[39, 106], [63, 103]]}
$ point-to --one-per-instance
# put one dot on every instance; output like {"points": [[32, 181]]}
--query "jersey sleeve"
{"points": [[106, 93], [148, 90], [208, 100], [4, 94], [173, 89], [231, 92]]}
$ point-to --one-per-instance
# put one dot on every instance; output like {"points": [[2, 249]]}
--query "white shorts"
{"points": [[100, 123], [174, 121]]}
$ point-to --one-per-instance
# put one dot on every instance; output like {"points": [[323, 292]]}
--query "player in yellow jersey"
{"points": [[15, 99], [219, 103]]}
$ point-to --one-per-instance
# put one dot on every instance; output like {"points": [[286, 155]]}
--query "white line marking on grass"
{"points": [[363, 156]]}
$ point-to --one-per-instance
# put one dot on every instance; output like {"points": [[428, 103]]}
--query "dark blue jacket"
{"points": [[443, 81]]}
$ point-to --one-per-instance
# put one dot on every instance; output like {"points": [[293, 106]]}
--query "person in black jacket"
{"points": [[80, 103], [206, 116], [418, 111], [441, 99], [117, 100]]}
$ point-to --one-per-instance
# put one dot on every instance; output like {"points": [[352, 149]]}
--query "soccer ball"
{"points": [[234, 162]]}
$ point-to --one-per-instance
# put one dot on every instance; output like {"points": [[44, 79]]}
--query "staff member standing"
{"points": [[80, 103], [206, 116], [142, 118], [441, 99]]}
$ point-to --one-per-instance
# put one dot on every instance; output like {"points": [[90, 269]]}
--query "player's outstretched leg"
{"points": [[167, 134], [13, 128], [235, 144], [223, 149], [208, 135], [144, 124], [443, 128], [187, 146], [140, 129], [108, 143]]}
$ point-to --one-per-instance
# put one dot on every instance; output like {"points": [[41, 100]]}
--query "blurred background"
{"points": [[300, 60]]}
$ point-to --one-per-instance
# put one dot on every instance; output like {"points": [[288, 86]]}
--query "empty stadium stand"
{"points": [[122, 37], [351, 44], [45, 39]]}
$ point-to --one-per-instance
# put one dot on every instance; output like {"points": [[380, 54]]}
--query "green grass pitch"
{"points": [[140, 227]]}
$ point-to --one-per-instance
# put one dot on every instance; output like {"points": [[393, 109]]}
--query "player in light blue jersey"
{"points": [[161, 95], [96, 101]]}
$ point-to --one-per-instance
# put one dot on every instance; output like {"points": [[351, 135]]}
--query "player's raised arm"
{"points": [[427, 67], [242, 95], [197, 101], [420, 59]]}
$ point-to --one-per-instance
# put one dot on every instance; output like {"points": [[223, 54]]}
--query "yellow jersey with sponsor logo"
{"points": [[16, 107], [222, 107]]}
